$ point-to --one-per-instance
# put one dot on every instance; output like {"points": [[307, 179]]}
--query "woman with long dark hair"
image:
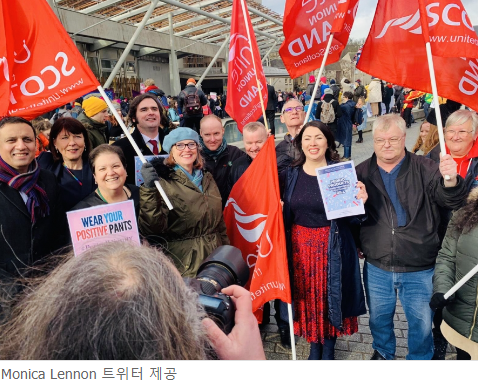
{"points": [[327, 289]]}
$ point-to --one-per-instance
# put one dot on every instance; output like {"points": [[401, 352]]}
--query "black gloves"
{"points": [[438, 301], [149, 175]]}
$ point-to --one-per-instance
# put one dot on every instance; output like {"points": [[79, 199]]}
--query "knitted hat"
{"points": [[311, 79], [179, 134], [191, 80], [93, 105], [323, 79], [332, 81], [328, 91]]}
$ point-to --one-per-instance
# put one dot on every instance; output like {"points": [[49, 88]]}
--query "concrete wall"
{"points": [[157, 71]]}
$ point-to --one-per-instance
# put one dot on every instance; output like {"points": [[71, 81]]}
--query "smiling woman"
{"points": [[69, 149], [108, 165], [195, 227]]}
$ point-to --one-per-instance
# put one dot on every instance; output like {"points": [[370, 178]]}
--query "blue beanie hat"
{"points": [[179, 134], [332, 81]]}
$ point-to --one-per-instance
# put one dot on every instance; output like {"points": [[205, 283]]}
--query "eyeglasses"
{"points": [[451, 133], [291, 109], [392, 141], [182, 146]]}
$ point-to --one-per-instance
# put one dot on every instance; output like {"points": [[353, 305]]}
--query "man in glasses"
{"points": [[292, 116], [399, 238]]}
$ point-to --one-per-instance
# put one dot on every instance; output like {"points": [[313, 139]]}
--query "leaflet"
{"points": [[337, 185], [138, 178]]}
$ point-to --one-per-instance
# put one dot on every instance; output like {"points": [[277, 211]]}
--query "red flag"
{"points": [[447, 27], [307, 27], [253, 216], [243, 100], [40, 67], [395, 52]]}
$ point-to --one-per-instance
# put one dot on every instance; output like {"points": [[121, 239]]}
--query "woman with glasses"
{"points": [[195, 226]]}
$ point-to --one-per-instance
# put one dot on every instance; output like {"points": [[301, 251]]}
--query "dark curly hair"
{"points": [[331, 154]]}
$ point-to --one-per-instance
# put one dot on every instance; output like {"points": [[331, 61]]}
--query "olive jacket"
{"points": [[456, 258], [193, 229], [97, 132]]}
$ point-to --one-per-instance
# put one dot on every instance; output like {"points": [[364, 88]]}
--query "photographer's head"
{"points": [[116, 301]]}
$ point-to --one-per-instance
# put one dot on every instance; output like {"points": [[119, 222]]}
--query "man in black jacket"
{"points": [[191, 117], [399, 239], [144, 112], [218, 155], [32, 221]]}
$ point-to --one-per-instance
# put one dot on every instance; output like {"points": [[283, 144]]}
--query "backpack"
{"points": [[327, 114], [357, 117], [192, 104], [365, 93]]}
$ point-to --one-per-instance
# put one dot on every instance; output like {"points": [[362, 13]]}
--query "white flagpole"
{"points": [[329, 44], [291, 329], [133, 143], [254, 64], [458, 285]]}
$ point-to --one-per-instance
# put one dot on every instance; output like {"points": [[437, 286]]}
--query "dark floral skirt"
{"points": [[309, 249]]}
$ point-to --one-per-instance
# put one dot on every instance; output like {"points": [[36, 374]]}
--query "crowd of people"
{"points": [[414, 200]]}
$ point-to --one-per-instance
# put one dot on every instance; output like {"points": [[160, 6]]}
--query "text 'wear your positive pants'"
{"points": [[414, 290]]}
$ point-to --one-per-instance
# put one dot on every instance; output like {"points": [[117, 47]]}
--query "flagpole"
{"points": [[458, 285], [133, 143], [254, 64], [291, 329], [316, 87]]}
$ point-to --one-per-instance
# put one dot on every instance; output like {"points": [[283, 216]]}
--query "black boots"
{"points": [[285, 337], [377, 356]]}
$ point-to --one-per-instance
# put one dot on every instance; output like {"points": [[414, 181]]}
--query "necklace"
{"points": [[102, 198], [72, 175]]}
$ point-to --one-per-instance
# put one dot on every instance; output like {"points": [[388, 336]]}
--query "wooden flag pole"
{"points": [[244, 14], [317, 81], [133, 143]]}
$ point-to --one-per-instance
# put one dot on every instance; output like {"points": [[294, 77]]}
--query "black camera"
{"points": [[224, 267]]}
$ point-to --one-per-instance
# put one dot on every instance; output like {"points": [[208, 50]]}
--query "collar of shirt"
{"points": [[150, 146]]}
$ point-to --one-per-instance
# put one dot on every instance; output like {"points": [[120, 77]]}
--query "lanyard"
{"points": [[72, 175]]}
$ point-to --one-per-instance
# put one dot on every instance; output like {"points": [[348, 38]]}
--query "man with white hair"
{"points": [[293, 116], [399, 238]]}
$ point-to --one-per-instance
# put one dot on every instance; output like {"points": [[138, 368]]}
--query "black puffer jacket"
{"points": [[286, 153], [221, 167], [420, 189]]}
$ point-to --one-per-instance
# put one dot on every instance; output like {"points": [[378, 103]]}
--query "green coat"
{"points": [[97, 132], [459, 254], [193, 229]]}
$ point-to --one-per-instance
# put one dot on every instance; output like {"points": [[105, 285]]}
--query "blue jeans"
{"points": [[414, 291], [348, 152]]}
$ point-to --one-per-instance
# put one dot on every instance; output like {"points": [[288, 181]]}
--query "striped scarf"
{"points": [[27, 183]]}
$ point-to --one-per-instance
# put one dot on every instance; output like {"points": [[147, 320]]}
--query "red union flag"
{"points": [[447, 27], [253, 216], [395, 51], [307, 26], [40, 67], [243, 100]]}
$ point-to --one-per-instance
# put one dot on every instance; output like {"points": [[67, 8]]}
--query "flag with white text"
{"points": [[40, 67]]}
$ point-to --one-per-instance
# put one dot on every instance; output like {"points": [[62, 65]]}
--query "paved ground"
{"points": [[359, 345]]}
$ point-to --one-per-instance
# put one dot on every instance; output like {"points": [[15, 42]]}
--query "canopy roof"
{"points": [[207, 21]]}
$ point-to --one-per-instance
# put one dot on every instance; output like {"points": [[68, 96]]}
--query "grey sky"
{"points": [[366, 12]]}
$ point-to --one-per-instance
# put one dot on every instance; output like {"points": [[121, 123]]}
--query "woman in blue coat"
{"points": [[324, 268], [345, 123]]}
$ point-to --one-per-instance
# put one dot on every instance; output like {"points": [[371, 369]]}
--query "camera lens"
{"points": [[224, 267]]}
